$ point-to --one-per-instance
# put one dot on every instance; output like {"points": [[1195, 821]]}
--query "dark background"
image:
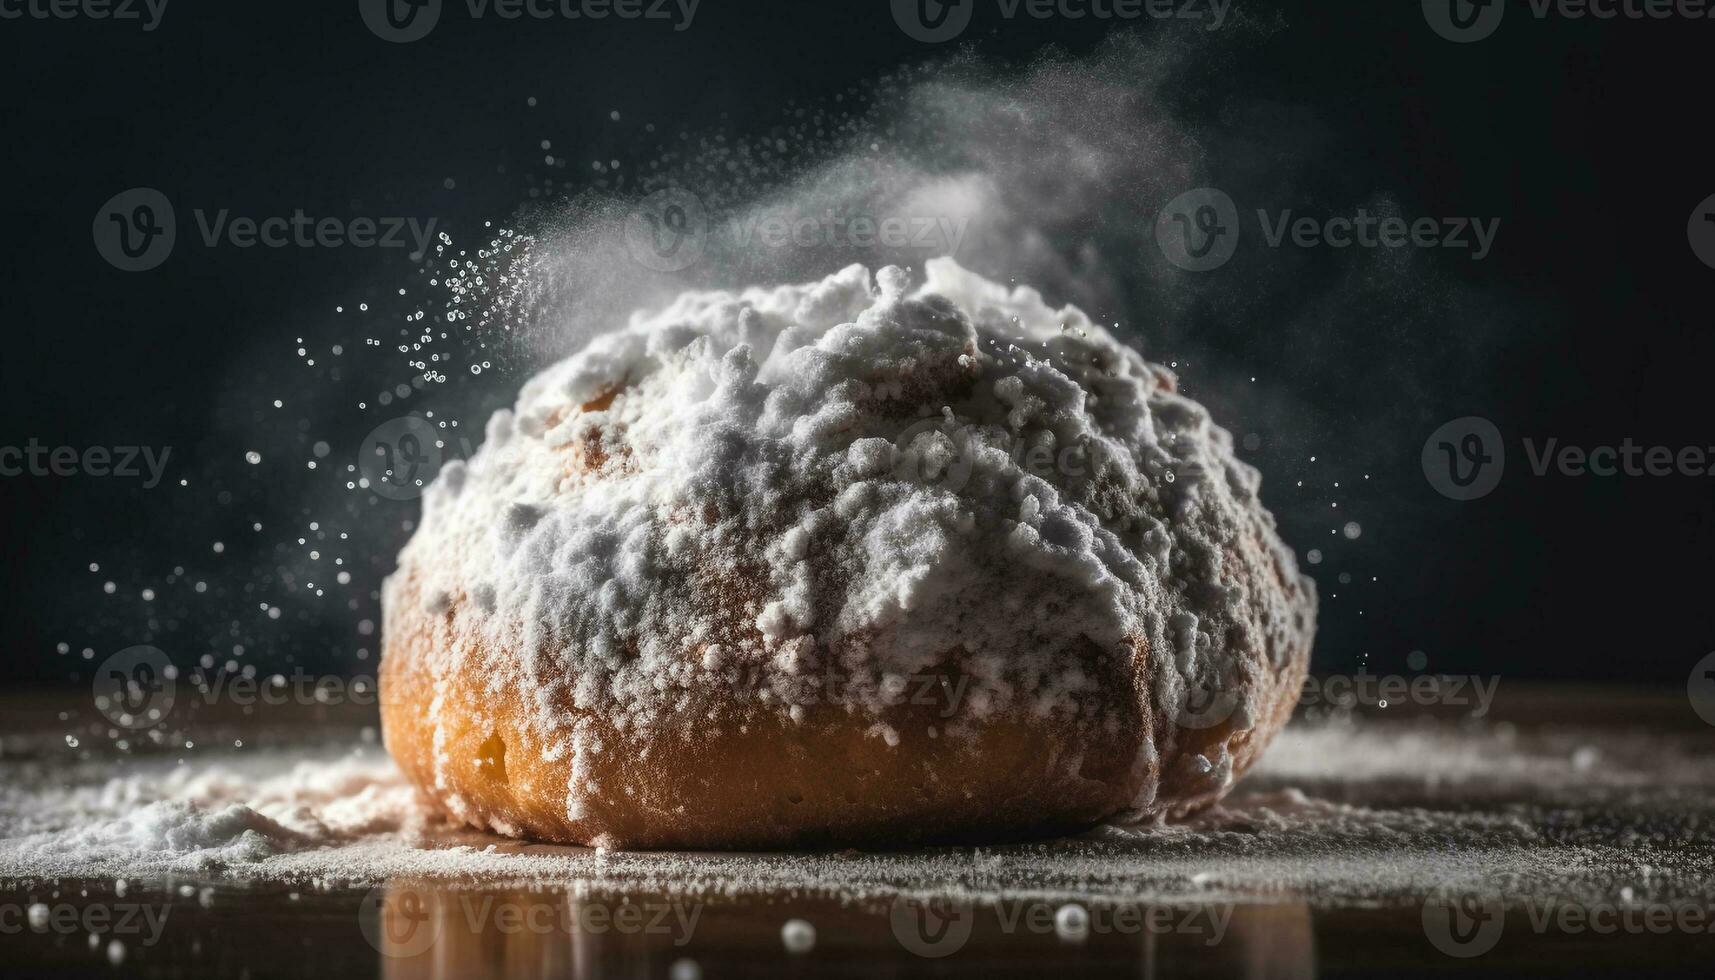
{"points": [[1588, 324]]}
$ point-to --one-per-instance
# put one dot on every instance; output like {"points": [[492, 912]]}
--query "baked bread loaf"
{"points": [[843, 563]]}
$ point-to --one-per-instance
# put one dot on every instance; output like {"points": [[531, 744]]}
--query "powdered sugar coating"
{"points": [[746, 491]]}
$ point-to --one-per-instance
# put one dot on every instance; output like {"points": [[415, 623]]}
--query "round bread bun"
{"points": [[842, 564]]}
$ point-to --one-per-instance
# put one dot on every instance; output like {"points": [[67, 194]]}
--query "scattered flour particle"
{"points": [[1072, 923], [799, 936]]}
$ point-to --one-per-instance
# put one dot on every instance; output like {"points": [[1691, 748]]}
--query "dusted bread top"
{"points": [[748, 492]]}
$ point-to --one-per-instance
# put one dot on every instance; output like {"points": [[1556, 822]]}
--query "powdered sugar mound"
{"points": [[194, 838], [747, 487], [215, 818]]}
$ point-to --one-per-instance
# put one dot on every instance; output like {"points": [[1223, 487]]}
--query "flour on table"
{"points": [[1335, 815]]}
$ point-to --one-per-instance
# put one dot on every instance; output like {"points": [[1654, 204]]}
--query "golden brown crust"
{"points": [[761, 780]]}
